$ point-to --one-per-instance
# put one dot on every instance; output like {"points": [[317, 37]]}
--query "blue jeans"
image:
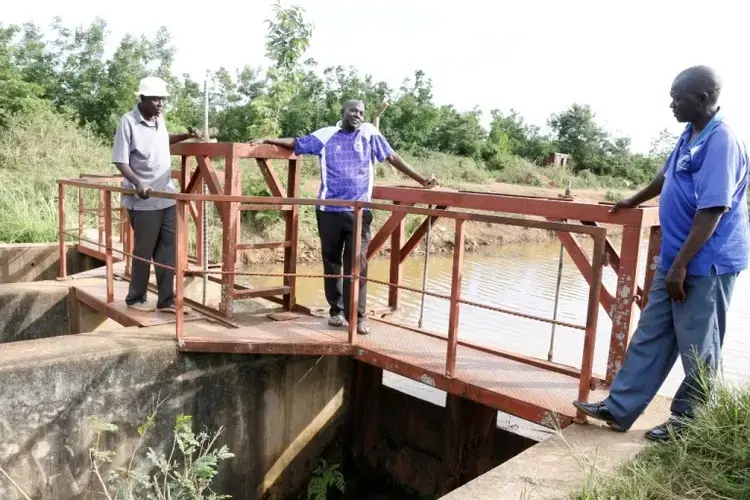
{"points": [[693, 330]]}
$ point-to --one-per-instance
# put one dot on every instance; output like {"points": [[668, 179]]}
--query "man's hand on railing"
{"points": [[144, 191], [431, 182]]}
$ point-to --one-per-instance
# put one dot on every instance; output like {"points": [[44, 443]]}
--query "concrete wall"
{"points": [[33, 310], [38, 261], [41, 309], [279, 412]]}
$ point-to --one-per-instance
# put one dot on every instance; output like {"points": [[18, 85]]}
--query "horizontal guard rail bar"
{"points": [[267, 200]]}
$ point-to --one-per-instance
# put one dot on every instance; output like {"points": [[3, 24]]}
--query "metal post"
{"points": [[557, 301], [455, 305], [61, 230], [424, 270], [550, 354], [592, 316], [81, 220], [180, 252], [100, 221], [354, 279], [108, 246], [205, 192]]}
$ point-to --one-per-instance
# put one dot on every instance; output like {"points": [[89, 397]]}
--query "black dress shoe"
{"points": [[666, 431], [599, 411]]}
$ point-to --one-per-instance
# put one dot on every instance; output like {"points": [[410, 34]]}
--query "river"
{"points": [[523, 278]]}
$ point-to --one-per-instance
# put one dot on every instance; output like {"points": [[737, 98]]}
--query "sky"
{"points": [[536, 56]]}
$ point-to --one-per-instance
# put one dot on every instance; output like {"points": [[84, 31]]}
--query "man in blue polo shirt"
{"points": [[347, 153], [704, 224]]}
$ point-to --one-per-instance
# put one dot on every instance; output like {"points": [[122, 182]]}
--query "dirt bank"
{"points": [[477, 235]]}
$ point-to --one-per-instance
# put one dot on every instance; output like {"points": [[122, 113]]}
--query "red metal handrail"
{"points": [[598, 234]]}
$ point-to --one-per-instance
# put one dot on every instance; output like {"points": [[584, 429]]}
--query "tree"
{"points": [[287, 40], [580, 136], [457, 133], [412, 116], [17, 95], [662, 146], [509, 134]]}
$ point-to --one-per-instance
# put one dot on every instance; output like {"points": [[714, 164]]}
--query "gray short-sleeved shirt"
{"points": [[144, 146]]}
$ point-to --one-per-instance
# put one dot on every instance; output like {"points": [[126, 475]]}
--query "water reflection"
{"points": [[522, 278]]}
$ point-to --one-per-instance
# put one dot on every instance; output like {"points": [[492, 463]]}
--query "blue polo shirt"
{"points": [[710, 172]]}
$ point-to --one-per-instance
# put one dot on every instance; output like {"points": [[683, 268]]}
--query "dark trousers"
{"points": [[336, 230], [154, 239]]}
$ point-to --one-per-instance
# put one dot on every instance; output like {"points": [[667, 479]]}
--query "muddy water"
{"points": [[522, 278]]}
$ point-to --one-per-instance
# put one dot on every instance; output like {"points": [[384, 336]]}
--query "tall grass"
{"points": [[35, 151], [39, 148], [710, 461]]}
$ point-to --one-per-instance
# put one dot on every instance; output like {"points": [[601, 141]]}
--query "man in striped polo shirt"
{"points": [[347, 155]]}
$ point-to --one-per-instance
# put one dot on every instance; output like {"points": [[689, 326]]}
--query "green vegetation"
{"points": [[711, 461], [186, 474], [325, 477], [35, 150], [61, 98]]}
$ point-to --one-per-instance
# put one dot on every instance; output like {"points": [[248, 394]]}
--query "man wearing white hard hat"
{"points": [[141, 154]]}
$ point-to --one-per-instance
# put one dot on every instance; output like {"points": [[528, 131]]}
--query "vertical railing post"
{"points": [[291, 235], [201, 207], [100, 219], [129, 246], [397, 240], [592, 317], [108, 245], [123, 225], [627, 285], [354, 279], [179, 263], [652, 260], [61, 230], [229, 239], [458, 262], [81, 208]]}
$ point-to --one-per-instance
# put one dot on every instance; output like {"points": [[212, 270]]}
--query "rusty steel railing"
{"points": [[228, 203]]}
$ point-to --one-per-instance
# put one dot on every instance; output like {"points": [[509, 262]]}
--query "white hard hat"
{"points": [[152, 86]]}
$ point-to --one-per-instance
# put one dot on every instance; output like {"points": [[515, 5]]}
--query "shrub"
{"points": [[186, 474]]}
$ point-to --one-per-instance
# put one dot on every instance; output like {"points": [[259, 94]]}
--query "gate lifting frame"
{"points": [[183, 200]]}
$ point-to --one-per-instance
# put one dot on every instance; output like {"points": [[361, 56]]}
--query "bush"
{"points": [[186, 474]]}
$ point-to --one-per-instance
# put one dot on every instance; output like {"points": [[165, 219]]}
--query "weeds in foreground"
{"points": [[186, 474], [710, 461]]}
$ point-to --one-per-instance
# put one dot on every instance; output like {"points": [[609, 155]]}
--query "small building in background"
{"points": [[556, 160]]}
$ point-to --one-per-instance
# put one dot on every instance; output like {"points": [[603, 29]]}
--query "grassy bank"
{"points": [[710, 462], [45, 146]]}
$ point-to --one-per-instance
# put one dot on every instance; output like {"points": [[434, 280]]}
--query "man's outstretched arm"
{"points": [[398, 162], [287, 143]]}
